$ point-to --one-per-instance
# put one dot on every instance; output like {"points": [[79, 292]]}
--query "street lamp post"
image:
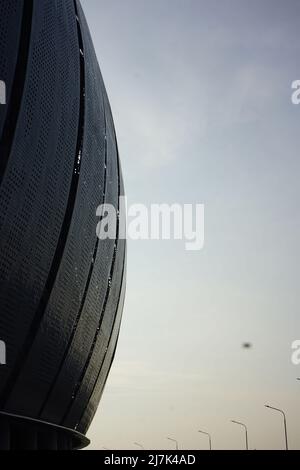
{"points": [[246, 431], [209, 437], [284, 423], [139, 445], [173, 440]]}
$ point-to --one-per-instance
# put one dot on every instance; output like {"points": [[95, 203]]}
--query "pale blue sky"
{"points": [[201, 97]]}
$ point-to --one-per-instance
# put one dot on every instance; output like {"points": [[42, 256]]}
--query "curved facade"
{"points": [[61, 288]]}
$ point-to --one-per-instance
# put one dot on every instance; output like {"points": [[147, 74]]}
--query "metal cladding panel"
{"points": [[36, 184], [60, 286], [97, 307], [10, 29], [68, 296], [85, 386], [62, 392], [97, 391], [104, 341]]}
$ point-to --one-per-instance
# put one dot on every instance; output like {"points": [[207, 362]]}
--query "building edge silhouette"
{"points": [[61, 288]]}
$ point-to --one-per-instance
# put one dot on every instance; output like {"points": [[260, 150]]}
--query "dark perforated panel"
{"points": [[82, 350], [87, 380], [97, 391], [60, 286], [10, 28], [36, 186], [91, 312], [65, 303], [102, 341]]}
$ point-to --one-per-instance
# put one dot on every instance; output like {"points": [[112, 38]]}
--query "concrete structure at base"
{"points": [[61, 288]]}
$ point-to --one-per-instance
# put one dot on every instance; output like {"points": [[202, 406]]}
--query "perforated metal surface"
{"points": [[60, 286], [10, 30]]}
